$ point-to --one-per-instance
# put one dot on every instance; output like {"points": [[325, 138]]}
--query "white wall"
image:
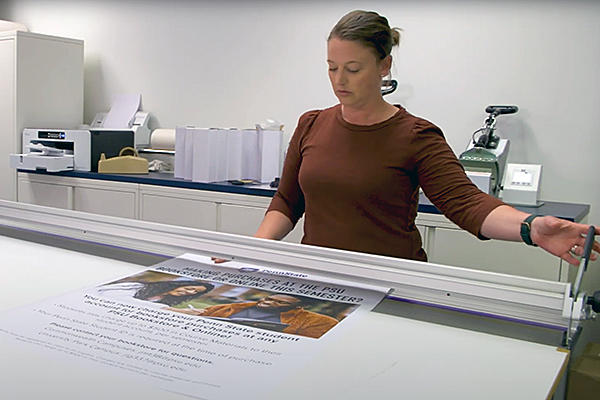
{"points": [[235, 63]]}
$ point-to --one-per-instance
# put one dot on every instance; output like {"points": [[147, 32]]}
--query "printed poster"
{"points": [[188, 325]]}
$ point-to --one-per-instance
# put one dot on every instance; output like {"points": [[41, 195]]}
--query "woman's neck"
{"points": [[368, 114]]}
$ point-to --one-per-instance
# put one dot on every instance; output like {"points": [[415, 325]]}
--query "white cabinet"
{"points": [[460, 248], [46, 194], [223, 212], [447, 244], [118, 199], [244, 220], [175, 206], [41, 86], [51, 191], [8, 130]]}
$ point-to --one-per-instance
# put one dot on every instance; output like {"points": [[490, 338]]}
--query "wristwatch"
{"points": [[526, 230]]}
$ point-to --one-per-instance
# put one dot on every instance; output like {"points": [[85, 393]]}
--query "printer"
{"points": [[55, 150], [139, 126]]}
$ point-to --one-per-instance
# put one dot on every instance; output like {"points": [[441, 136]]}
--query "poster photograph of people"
{"points": [[186, 324]]}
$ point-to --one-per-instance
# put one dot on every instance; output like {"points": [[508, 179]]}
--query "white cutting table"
{"points": [[384, 356]]}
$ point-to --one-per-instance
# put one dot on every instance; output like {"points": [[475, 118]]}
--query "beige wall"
{"points": [[235, 63]]}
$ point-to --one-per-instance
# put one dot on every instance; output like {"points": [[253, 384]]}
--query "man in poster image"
{"points": [[281, 312]]}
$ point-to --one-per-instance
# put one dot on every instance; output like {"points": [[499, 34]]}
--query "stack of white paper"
{"points": [[188, 154], [180, 145], [234, 154], [250, 154], [221, 156], [209, 155], [202, 148], [269, 148], [216, 155]]}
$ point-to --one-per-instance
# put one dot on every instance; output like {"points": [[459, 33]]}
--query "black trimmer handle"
{"points": [[588, 246], [587, 254]]}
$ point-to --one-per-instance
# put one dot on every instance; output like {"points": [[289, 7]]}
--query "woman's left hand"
{"points": [[562, 238]]}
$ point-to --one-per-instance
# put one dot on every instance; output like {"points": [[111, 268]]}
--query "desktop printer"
{"points": [[139, 126], [55, 150]]}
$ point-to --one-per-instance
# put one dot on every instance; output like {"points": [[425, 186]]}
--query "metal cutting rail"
{"points": [[522, 299]]}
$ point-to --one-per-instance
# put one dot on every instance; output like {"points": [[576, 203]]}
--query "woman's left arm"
{"points": [[559, 237]]}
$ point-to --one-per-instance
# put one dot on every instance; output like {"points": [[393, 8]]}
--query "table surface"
{"points": [[382, 356]]}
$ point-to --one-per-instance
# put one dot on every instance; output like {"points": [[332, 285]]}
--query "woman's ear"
{"points": [[385, 66]]}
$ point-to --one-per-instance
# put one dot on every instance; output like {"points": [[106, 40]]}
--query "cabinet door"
{"points": [[459, 248], [178, 211], [241, 220], [295, 236], [244, 220], [117, 203], [8, 130], [46, 194]]}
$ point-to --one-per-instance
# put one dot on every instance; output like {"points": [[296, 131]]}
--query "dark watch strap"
{"points": [[526, 230]]}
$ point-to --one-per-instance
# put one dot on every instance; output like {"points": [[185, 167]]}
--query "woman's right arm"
{"points": [[287, 205], [275, 225]]}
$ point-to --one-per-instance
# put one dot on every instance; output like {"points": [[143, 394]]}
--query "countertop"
{"points": [[569, 211]]}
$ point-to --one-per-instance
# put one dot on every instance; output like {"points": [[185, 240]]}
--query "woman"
{"points": [[168, 293], [355, 169]]}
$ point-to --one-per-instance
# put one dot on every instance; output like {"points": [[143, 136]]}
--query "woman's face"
{"points": [[355, 72], [186, 290]]}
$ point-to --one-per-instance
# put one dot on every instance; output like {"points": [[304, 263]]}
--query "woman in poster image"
{"points": [[161, 293], [354, 170]]}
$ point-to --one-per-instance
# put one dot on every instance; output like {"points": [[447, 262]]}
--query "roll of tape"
{"points": [[163, 139]]}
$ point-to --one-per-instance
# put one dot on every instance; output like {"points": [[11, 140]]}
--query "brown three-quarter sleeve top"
{"points": [[358, 186]]}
